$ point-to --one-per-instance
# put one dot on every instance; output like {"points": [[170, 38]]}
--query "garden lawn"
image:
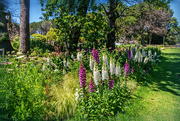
{"points": [[160, 100]]}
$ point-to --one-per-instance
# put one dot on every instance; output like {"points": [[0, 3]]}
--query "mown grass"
{"points": [[160, 100]]}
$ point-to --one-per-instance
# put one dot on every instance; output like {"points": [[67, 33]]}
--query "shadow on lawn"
{"points": [[167, 74]]}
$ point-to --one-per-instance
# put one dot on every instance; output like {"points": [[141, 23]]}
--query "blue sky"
{"points": [[35, 10]]}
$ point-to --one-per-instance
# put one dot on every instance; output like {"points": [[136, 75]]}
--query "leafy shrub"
{"points": [[16, 43], [39, 37]]}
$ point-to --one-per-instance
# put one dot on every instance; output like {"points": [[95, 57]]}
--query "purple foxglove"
{"points": [[91, 63], [91, 86], [129, 54], [105, 74], [118, 69], [126, 69], [105, 59], [132, 54], [96, 74], [146, 59], [132, 70], [96, 55], [82, 76], [112, 66], [111, 83]]}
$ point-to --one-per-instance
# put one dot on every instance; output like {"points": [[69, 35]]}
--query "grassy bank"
{"points": [[160, 100]]}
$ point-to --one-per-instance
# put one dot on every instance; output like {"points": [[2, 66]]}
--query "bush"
{"points": [[16, 43], [39, 37]]}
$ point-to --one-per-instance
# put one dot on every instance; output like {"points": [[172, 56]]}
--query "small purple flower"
{"points": [[129, 54], [132, 70], [91, 86], [82, 75], [111, 83], [147, 71], [126, 69], [96, 55]]}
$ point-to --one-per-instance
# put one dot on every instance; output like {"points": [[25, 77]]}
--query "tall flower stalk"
{"points": [[112, 66], [111, 83], [91, 63], [105, 74], [118, 69], [96, 74], [91, 85], [126, 69], [105, 59], [82, 76], [96, 55], [129, 54]]}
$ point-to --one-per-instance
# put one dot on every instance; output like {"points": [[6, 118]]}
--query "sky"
{"points": [[36, 13]]}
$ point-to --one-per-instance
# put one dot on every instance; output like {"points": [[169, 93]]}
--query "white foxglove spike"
{"points": [[118, 69], [146, 59], [96, 74], [91, 64], [105, 59], [112, 66], [105, 74]]}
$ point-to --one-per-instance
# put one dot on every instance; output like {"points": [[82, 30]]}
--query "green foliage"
{"points": [[172, 40], [39, 37], [25, 98], [52, 34], [4, 36], [16, 43]]}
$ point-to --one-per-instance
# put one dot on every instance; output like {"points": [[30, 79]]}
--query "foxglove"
{"points": [[141, 58], [132, 53], [111, 83], [64, 63], [129, 54], [91, 86], [82, 76], [118, 69], [79, 56], [155, 54], [112, 66], [91, 63], [146, 59], [96, 55], [96, 74], [105, 59], [105, 74], [126, 69], [132, 70]]}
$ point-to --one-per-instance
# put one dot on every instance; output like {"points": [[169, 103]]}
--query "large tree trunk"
{"points": [[112, 19], [24, 26]]}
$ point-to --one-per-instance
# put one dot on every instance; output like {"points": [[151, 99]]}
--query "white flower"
{"points": [[79, 56], [118, 69], [91, 63], [112, 66], [149, 53], [141, 57], [155, 54], [64, 63], [105, 59], [146, 59], [96, 74], [143, 53], [72, 56], [105, 74]]}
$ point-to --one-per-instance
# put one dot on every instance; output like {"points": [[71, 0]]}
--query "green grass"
{"points": [[160, 101]]}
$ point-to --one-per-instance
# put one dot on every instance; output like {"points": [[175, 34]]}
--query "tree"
{"points": [[69, 18], [4, 36], [24, 26]]}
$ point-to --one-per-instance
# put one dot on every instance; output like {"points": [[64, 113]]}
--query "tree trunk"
{"points": [[112, 19], [150, 38], [142, 39], [24, 26]]}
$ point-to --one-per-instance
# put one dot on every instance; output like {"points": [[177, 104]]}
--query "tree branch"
{"points": [[107, 13]]}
